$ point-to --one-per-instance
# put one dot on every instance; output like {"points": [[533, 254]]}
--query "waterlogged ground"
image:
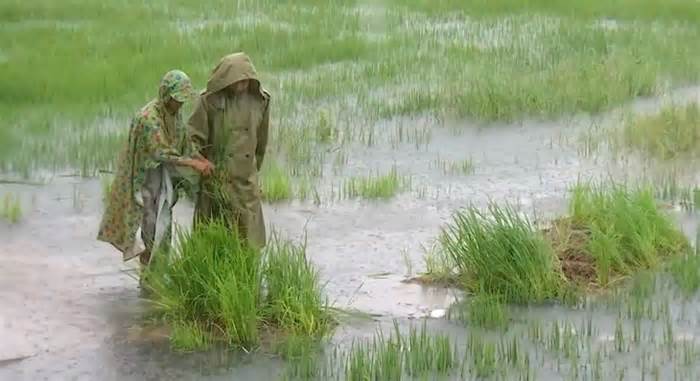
{"points": [[69, 308]]}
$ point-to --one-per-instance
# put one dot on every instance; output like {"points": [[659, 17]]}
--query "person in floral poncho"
{"points": [[142, 193]]}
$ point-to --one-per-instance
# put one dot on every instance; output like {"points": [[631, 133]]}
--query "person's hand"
{"points": [[202, 166]]}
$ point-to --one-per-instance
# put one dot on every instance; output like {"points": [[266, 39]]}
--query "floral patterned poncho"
{"points": [[155, 137]]}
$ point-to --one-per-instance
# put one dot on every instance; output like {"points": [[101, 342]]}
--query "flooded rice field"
{"points": [[71, 309], [387, 118]]}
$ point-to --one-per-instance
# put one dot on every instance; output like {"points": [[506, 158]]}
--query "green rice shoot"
{"points": [[672, 133], [225, 288], [11, 208], [627, 230], [500, 252], [275, 183], [375, 186]]}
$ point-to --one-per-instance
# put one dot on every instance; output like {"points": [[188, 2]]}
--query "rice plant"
{"points": [[322, 56], [461, 167], [218, 283], [11, 208], [439, 267], [418, 354], [673, 132], [213, 280], [686, 273], [627, 230], [481, 310], [275, 183], [302, 356], [499, 252], [189, 336], [483, 357], [293, 296], [375, 186]]}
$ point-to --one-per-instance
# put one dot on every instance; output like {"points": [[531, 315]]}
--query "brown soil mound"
{"points": [[570, 245]]}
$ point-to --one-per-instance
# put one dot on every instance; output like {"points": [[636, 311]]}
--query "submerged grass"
{"points": [[481, 310], [415, 355], [11, 208], [275, 184], [358, 63], [686, 273], [223, 287], [375, 186], [673, 132]]}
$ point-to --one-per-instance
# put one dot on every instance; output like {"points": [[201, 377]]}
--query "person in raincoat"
{"points": [[229, 127], [144, 189]]}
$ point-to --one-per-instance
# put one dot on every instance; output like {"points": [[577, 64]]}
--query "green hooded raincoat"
{"points": [[231, 130]]}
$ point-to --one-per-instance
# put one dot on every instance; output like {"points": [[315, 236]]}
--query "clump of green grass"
{"points": [[612, 233], [686, 273], [11, 208], [417, 354], [481, 310], [499, 252], [439, 267], [189, 336], [293, 297], [213, 281], [375, 186], [219, 284], [673, 132], [302, 357], [483, 357], [626, 229], [275, 183], [461, 167]]}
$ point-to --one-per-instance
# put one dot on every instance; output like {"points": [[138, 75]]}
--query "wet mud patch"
{"points": [[570, 244]]}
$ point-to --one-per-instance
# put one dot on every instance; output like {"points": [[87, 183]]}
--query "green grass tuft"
{"points": [[224, 287], [376, 186], [188, 337], [673, 132], [481, 310], [11, 208], [626, 229], [613, 232], [275, 184], [686, 273], [294, 298], [417, 354], [499, 252]]}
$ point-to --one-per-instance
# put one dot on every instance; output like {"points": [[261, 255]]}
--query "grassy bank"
{"points": [[217, 289], [336, 70], [610, 234]]}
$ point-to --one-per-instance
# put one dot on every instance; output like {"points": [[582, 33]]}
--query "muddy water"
{"points": [[69, 308]]}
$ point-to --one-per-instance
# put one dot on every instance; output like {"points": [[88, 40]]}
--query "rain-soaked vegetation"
{"points": [[533, 159], [220, 289]]}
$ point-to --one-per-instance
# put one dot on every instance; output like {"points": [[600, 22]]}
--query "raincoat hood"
{"points": [[177, 85], [231, 69]]}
